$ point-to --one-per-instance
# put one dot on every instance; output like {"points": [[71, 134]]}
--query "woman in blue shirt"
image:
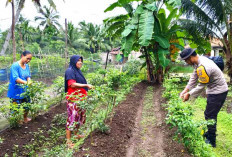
{"points": [[20, 74]]}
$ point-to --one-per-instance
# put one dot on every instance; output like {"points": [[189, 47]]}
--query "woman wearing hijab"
{"points": [[75, 84], [20, 74]]}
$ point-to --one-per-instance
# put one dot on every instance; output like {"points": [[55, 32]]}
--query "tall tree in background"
{"points": [[13, 28], [20, 5], [48, 18], [210, 19], [90, 33]]}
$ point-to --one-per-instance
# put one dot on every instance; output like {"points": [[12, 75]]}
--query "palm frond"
{"points": [[197, 30], [193, 11]]}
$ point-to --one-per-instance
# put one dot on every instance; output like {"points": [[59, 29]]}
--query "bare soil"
{"points": [[23, 135]]}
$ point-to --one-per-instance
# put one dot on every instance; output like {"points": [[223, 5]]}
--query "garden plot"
{"points": [[138, 129]]}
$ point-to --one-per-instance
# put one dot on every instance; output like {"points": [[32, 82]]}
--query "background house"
{"points": [[216, 47]]}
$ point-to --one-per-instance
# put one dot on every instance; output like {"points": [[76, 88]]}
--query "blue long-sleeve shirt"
{"points": [[16, 71]]}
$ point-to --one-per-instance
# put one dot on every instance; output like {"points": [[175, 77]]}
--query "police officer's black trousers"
{"points": [[214, 104]]}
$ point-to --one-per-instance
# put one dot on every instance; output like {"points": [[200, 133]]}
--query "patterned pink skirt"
{"points": [[76, 116]]}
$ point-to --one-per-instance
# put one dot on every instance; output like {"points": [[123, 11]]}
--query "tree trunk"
{"points": [[66, 44], [21, 38], [228, 51], [12, 31], [150, 68], [7, 40], [229, 64]]}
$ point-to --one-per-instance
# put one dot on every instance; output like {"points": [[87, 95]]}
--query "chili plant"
{"points": [[13, 112], [180, 115], [36, 93], [58, 87]]}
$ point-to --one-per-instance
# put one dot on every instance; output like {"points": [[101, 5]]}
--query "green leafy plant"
{"points": [[58, 87], [180, 116], [36, 93], [13, 113]]}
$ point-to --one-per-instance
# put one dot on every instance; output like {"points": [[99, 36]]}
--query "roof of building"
{"points": [[216, 43], [116, 51]]}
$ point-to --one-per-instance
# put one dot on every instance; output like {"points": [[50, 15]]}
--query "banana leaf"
{"points": [[146, 25]]}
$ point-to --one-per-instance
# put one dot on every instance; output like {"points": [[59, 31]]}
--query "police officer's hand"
{"points": [[182, 94], [186, 97]]}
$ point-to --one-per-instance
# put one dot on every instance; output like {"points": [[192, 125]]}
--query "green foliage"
{"points": [[58, 87], [148, 29], [146, 26], [100, 102], [13, 113], [33, 47], [5, 61], [179, 68], [36, 93], [224, 124], [164, 43], [131, 67], [180, 115], [3, 88], [162, 57], [113, 78], [1, 140]]}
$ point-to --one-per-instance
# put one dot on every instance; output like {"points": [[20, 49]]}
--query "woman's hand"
{"points": [[89, 86], [29, 82]]}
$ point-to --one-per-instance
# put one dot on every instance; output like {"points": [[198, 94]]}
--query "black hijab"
{"points": [[73, 73]]}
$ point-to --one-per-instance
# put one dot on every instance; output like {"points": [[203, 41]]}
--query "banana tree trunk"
{"points": [[9, 34], [159, 70], [150, 68]]}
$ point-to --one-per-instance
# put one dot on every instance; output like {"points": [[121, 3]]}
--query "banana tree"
{"points": [[150, 31]]}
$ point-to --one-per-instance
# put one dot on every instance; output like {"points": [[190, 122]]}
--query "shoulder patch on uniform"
{"points": [[202, 75]]}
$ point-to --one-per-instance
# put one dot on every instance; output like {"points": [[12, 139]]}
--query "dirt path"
{"points": [[148, 137], [138, 129], [151, 135]]}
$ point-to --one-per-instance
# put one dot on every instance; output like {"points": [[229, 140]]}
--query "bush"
{"points": [[132, 67]]}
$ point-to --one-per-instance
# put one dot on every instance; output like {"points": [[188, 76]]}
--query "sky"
{"points": [[74, 10]]}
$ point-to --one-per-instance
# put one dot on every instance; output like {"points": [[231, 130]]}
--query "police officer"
{"points": [[206, 73]]}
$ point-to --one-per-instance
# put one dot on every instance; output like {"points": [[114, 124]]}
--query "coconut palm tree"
{"points": [[90, 33], [48, 18], [210, 19], [20, 5]]}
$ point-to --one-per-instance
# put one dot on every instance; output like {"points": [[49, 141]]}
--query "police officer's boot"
{"points": [[211, 139]]}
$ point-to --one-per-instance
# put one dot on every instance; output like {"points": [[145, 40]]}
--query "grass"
{"points": [[224, 125], [147, 120], [177, 68]]}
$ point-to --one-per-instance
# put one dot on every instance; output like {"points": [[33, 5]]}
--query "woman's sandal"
{"points": [[79, 136], [70, 145]]}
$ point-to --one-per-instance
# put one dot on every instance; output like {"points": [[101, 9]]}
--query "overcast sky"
{"points": [[73, 10]]}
